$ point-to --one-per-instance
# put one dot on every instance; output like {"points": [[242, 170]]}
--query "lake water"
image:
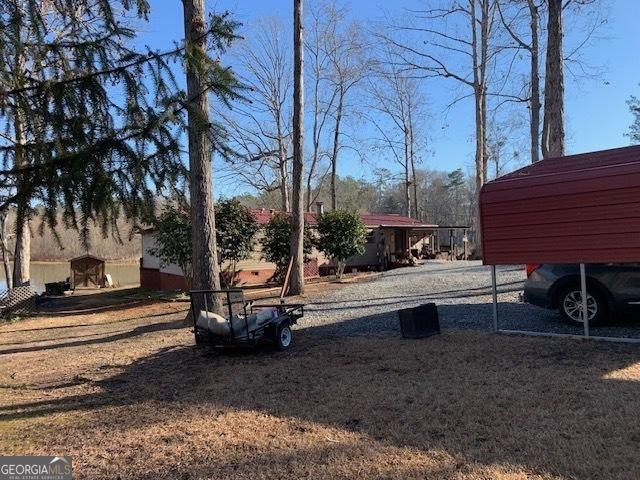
{"points": [[123, 274]]}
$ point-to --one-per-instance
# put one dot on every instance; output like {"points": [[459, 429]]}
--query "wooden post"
{"points": [[451, 244], [285, 285], [465, 244]]}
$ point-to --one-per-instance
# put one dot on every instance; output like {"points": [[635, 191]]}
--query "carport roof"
{"points": [[574, 209]]}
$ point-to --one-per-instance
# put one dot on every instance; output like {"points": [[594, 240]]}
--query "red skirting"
{"points": [[154, 279]]}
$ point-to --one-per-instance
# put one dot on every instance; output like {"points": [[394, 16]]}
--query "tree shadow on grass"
{"points": [[108, 337], [493, 400]]}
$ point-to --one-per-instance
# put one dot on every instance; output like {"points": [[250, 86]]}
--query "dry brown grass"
{"points": [[128, 395]]}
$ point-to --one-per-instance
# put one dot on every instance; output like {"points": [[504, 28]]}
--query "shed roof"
{"points": [[574, 209], [87, 255]]}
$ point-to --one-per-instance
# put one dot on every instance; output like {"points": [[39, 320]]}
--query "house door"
{"points": [[400, 242]]}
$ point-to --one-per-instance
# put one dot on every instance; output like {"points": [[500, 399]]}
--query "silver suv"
{"points": [[611, 288]]}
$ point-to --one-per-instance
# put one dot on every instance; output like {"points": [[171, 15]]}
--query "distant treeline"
{"points": [[445, 198], [44, 245]]}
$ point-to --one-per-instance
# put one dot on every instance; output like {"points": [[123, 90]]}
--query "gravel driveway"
{"points": [[462, 292]]}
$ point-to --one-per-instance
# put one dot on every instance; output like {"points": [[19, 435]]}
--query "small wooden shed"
{"points": [[87, 271]]}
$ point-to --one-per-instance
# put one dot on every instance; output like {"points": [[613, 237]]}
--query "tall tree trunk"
{"points": [[484, 54], [535, 83], [309, 191], [414, 180], [206, 271], [412, 156], [297, 210], [407, 177], [284, 185], [315, 135], [553, 128], [22, 251], [336, 149], [5, 251], [282, 169], [480, 178], [479, 48], [282, 165]]}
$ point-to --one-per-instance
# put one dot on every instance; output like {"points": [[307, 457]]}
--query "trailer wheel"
{"points": [[200, 341], [284, 338]]}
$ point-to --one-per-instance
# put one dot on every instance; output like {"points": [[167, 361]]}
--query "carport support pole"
{"points": [[494, 285], [585, 310]]}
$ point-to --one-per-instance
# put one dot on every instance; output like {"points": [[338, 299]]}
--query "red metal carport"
{"points": [[574, 209]]}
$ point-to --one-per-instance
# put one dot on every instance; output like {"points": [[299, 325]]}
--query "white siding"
{"points": [[150, 261]]}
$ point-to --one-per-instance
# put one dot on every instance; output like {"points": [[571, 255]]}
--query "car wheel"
{"points": [[570, 305], [284, 338]]}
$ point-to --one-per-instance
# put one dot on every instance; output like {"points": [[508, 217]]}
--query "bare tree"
{"points": [[260, 129], [502, 141], [524, 23], [337, 65], [322, 98], [553, 126], [532, 46], [462, 53], [398, 99], [297, 210], [349, 66], [206, 271]]}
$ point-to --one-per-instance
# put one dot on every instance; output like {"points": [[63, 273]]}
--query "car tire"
{"points": [[570, 305], [284, 337]]}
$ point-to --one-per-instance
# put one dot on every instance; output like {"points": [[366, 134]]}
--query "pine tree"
{"points": [[79, 131]]}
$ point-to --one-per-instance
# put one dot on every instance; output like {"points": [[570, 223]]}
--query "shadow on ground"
{"points": [[549, 406]]}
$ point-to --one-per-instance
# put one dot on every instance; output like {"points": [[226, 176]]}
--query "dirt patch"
{"points": [[127, 394]]}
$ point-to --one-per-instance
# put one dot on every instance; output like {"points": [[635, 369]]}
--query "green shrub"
{"points": [[276, 246], [341, 234], [235, 233], [173, 239]]}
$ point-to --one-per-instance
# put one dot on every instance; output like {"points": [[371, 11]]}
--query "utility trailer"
{"points": [[244, 323]]}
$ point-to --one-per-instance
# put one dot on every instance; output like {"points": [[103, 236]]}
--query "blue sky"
{"points": [[596, 114]]}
